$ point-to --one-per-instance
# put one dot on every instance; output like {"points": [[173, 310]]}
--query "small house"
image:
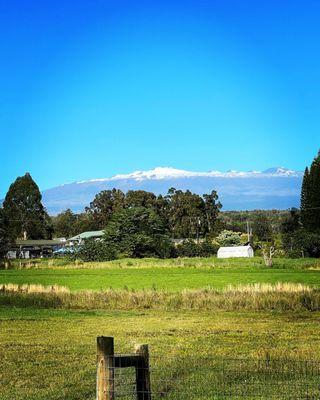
{"points": [[235, 252]]}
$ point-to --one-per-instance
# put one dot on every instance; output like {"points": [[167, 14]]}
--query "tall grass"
{"points": [[258, 297], [279, 287], [32, 288]]}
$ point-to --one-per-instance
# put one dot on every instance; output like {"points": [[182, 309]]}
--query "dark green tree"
{"points": [[4, 239], [138, 232], [305, 202], [212, 207], [310, 197], [103, 206], [302, 243], [291, 223], [261, 228], [140, 198], [191, 215], [190, 248], [24, 214], [65, 224]]}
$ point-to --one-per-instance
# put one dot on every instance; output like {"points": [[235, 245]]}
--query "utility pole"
{"points": [[249, 231], [198, 228]]}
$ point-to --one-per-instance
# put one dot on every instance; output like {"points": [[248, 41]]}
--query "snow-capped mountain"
{"points": [[273, 188], [169, 173]]}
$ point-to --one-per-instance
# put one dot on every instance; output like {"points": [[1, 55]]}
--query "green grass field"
{"points": [[49, 354], [171, 275]]}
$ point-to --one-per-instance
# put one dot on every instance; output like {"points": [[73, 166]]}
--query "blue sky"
{"points": [[93, 88]]}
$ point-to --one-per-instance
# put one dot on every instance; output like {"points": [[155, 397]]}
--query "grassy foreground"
{"points": [[50, 354], [48, 334]]}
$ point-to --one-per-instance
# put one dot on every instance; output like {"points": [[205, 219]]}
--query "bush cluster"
{"points": [[190, 248], [95, 250]]}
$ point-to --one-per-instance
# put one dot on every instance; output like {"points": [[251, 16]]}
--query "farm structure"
{"points": [[80, 238], [34, 248], [235, 252]]}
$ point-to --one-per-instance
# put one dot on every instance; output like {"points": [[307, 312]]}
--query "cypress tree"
{"points": [[310, 197], [315, 194], [23, 211], [305, 199]]}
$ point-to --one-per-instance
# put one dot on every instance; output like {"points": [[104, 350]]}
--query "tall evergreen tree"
{"points": [[24, 213], [315, 194], [310, 197], [4, 240], [305, 199]]}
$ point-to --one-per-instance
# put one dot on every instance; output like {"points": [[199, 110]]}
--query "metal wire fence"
{"points": [[213, 378]]}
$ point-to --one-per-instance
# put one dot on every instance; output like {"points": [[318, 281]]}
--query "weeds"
{"points": [[258, 297]]}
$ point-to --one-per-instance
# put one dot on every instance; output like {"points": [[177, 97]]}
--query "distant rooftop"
{"points": [[41, 242], [87, 235]]}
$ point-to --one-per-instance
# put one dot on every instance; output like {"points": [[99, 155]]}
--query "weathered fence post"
{"points": [[143, 373], [105, 368]]}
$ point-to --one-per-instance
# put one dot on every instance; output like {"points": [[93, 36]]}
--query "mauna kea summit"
{"points": [[272, 188]]}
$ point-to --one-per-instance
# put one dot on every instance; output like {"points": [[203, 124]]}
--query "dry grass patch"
{"points": [[32, 288], [257, 297], [279, 287]]}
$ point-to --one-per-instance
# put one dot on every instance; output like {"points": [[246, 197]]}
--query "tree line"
{"points": [[183, 214], [143, 222], [140, 223]]}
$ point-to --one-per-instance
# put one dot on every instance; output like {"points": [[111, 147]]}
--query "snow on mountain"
{"points": [[277, 187], [281, 171], [169, 173]]}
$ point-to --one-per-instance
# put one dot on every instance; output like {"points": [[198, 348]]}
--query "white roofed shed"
{"points": [[235, 251]]}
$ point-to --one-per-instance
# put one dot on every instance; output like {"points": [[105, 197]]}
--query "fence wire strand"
{"points": [[184, 378]]}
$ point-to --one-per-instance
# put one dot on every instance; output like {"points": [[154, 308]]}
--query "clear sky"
{"points": [[91, 88]]}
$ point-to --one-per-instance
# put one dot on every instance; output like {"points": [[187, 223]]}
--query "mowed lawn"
{"points": [[50, 354], [170, 278]]}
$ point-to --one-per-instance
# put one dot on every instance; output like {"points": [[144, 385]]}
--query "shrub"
{"points": [[229, 238], [95, 250], [302, 243], [190, 248]]}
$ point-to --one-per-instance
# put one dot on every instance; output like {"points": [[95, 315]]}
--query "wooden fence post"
{"points": [[143, 373], [105, 368]]}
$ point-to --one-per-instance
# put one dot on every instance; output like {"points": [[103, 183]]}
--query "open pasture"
{"points": [[50, 354], [172, 275], [48, 338]]}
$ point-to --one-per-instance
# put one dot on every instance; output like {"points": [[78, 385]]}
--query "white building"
{"points": [[235, 252]]}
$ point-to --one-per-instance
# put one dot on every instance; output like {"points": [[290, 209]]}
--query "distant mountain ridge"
{"points": [[276, 187], [167, 172]]}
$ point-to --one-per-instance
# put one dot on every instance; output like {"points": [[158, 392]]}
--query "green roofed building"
{"points": [[78, 239]]}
